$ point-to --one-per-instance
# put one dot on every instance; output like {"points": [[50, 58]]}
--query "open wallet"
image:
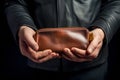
{"points": [[57, 39]]}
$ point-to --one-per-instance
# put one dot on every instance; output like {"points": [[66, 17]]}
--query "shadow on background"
{"points": [[114, 58], [13, 63]]}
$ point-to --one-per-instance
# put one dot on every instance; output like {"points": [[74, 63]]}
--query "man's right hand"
{"points": [[29, 47]]}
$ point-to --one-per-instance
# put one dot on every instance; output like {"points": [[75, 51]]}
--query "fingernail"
{"points": [[90, 50], [55, 54], [66, 50], [36, 47], [49, 51], [73, 49]]}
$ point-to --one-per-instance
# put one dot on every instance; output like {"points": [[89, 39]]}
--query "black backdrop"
{"points": [[12, 63]]}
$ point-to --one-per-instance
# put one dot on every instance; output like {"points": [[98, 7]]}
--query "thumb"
{"points": [[26, 34], [32, 43], [28, 38]]}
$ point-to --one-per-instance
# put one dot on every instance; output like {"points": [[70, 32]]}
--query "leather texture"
{"points": [[57, 39]]}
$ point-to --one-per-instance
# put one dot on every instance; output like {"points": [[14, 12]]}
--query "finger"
{"points": [[93, 45], [31, 42], [24, 51], [26, 34], [44, 53], [40, 54], [69, 56], [78, 52], [77, 59], [96, 51], [49, 57], [68, 53]]}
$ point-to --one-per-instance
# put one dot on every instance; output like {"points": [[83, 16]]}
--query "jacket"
{"points": [[37, 14]]}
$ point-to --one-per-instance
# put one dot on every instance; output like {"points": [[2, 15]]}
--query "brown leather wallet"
{"points": [[57, 39]]}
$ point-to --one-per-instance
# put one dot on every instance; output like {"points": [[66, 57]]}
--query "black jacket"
{"points": [[60, 13]]}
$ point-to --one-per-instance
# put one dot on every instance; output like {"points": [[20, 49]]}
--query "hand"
{"points": [[78, 55], [29, 47], [96, 44], [75, 54]]}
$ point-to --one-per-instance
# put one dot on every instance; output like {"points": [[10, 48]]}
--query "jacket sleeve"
{"points": [[109, 18], [17, 15]]}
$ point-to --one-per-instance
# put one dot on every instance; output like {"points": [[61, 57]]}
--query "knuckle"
{"points": [[93, 46], [35, 57], [94, 56]]}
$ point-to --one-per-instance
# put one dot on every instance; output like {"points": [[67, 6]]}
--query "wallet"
{"points": [[57, 39]]}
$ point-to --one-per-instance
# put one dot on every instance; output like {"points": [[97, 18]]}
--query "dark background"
{"points": [[12, 63]]}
